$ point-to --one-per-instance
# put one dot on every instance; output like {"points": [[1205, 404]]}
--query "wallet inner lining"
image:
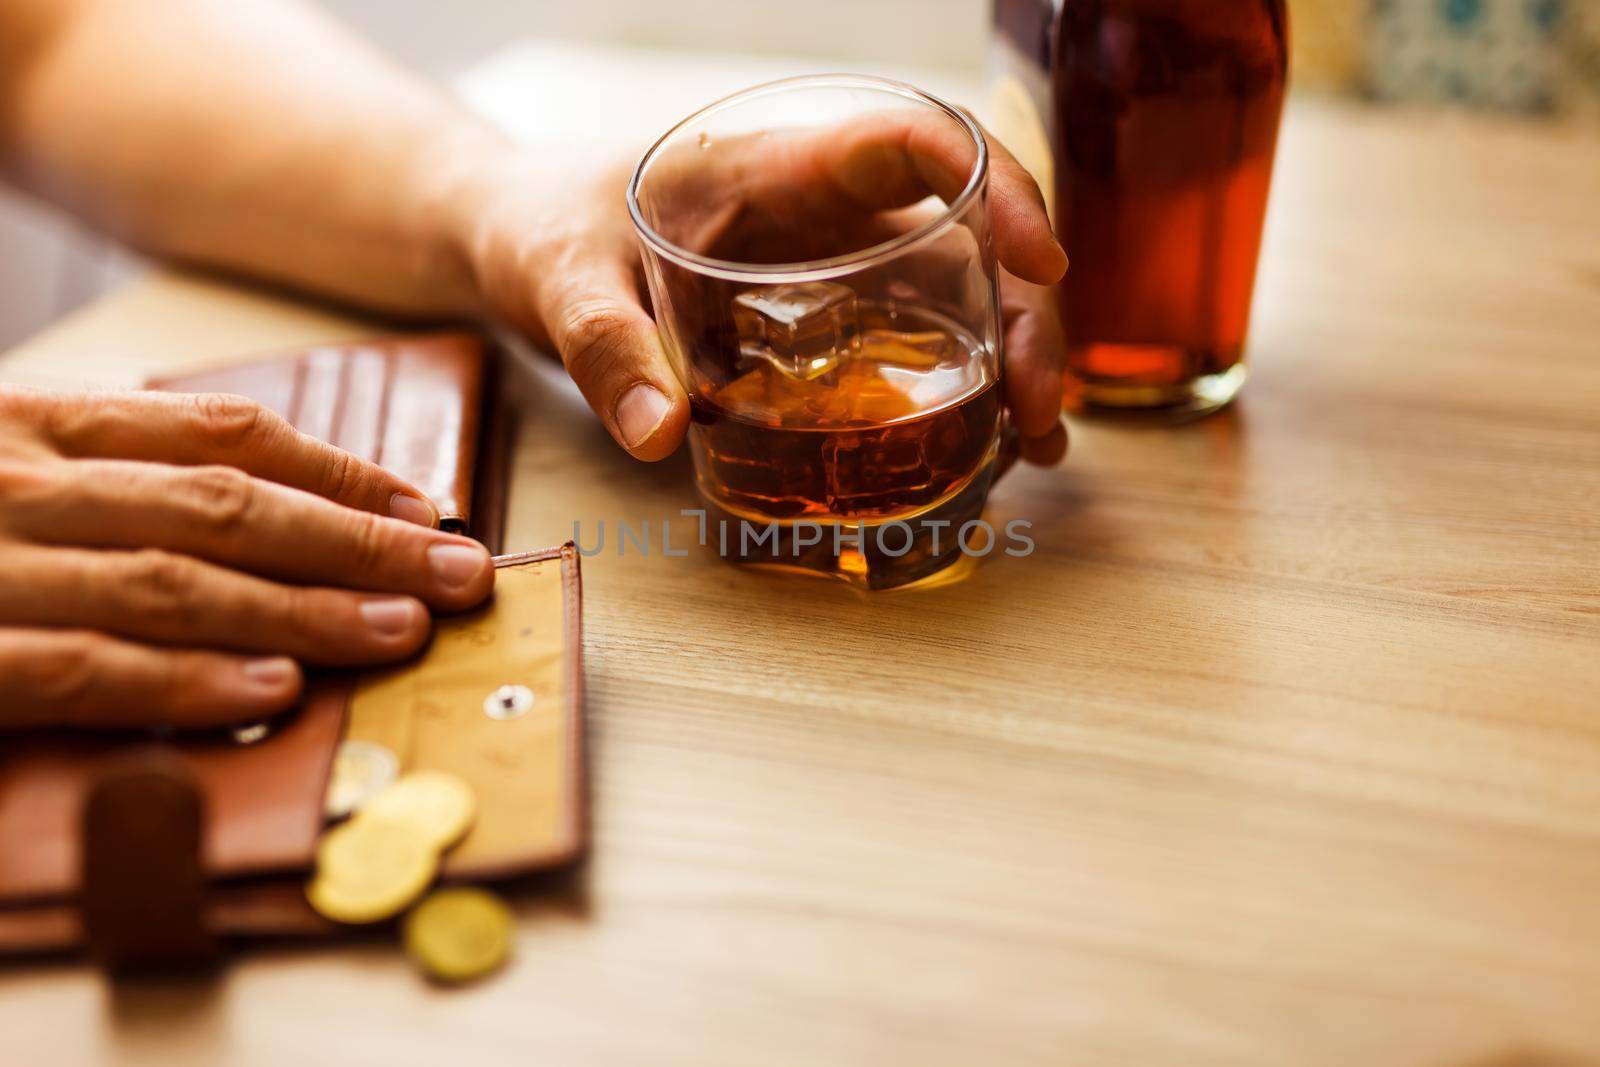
{"points": [[431, 715]]}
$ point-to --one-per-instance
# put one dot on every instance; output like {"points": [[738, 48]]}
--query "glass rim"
{"points": [[819, 269]]}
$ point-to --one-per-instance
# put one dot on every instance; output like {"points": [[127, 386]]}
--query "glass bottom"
{"points": [[934, 547], [1181, 386]]}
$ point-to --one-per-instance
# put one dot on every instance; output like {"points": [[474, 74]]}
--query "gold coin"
{"points": [[438, 806], [361, 770], [459, 934], [368, 871]]}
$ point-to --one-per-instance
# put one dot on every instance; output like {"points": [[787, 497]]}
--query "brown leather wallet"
{"points": [[153, 850], [93, 827], [422, 406]]}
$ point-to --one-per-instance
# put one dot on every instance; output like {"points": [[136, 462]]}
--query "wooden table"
{"points": [[1283, 749]]}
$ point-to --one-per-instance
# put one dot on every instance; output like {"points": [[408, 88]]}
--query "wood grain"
{"points": [[1284, 748]]}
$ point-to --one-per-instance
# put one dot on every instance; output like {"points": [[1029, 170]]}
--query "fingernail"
{"points": [[408, 508], [272, 672], [457, 565], [1066, 263], [641, 409], [388, 617]]}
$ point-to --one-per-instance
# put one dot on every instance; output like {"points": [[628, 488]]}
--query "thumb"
{"points": [[613, 351]]}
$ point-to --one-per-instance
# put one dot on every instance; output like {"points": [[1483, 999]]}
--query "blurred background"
{"points": [[1535, 60]]}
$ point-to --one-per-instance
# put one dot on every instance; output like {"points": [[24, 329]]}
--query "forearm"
{"points": [[255, 135]]}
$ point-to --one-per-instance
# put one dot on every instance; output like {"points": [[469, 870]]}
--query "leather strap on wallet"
{"points": [[419, 405]]}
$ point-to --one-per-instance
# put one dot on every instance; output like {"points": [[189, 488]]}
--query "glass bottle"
{"points": [[1152, 126]]}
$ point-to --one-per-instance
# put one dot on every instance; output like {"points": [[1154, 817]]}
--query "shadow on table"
{"points": [[153, 1007]]}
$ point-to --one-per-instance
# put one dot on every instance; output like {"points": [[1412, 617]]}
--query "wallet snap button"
{"points": [[508, 702]]}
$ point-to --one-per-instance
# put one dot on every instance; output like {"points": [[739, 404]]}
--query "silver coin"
{"points": [[361, 770], [249, 735], [508, 702]]}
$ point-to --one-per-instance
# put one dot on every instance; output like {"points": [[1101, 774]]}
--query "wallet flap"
{"points": [[497, 700]]}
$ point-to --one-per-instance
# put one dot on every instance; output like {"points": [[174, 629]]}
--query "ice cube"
{"points": [[804, 329]]}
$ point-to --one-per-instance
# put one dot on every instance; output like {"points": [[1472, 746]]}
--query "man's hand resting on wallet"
{"points": [[170, 559]]}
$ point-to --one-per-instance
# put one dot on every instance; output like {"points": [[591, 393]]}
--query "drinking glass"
{"points": [[819, 257]]}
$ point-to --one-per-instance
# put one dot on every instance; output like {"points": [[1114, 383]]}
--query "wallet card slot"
{"points": [[429, 431], [359, 420], [320, 385]]}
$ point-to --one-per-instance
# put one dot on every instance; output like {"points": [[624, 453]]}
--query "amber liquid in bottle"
{"points": [[1163, 117]]}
